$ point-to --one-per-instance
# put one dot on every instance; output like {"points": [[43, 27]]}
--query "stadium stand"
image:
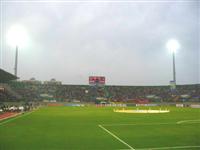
{"points": [[6, 93], [39, 92], [5, 76], [35, 91]]}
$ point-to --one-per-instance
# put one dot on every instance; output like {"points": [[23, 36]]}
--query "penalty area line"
{"points": [[116, 137], [165, 148], [149, 124], [136, 124], [188, 121], [173, 147]]}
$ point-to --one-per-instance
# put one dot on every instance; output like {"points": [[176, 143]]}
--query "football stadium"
{"points": [[99, 75], [36, 115]]}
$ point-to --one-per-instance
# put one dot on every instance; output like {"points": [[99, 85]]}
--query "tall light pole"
{"points": [[173, 46], [16, 37], [174, 68], [16, 61]]}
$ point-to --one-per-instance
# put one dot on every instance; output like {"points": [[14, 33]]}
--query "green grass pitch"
{"points": [[92, 128]]}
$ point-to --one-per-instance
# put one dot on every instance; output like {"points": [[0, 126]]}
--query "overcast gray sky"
{"points": [[123, 41]]}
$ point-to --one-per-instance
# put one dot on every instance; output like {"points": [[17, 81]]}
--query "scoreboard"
{"points": [[97, 80]]}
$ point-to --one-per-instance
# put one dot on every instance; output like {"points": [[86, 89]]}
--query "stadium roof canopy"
{"points": [[5, 76]]}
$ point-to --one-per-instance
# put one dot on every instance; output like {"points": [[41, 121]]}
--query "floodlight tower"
{"points": [[173, 46], [16, 61], [16, 37]]}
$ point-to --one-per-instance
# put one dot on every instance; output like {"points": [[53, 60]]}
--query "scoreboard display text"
{"points": [[97, 80]]}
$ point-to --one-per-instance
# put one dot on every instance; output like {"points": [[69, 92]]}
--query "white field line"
{"points": [[189, 121], [156, 148], [148, 124], [171, 147], [137, 124], [163, 148], [131, 148], [14, 118]]}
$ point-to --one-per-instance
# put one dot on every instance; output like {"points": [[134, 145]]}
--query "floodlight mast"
{"points": [[173, 46], [16, 61], [17, 36], [174, 68]]}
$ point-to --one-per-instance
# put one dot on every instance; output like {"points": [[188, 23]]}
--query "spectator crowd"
{"points": [[85, 93]]}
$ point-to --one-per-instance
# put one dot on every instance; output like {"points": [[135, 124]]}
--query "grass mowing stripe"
{"points": [[116, 137], [14, 118], [173, 147]]}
